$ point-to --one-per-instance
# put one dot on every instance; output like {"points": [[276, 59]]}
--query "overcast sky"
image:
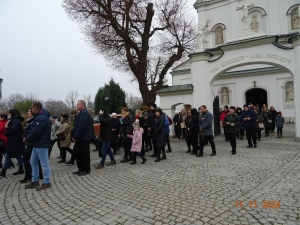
{"points": [[43, 52]]}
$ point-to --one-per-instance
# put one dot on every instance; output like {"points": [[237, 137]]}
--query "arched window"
{"points": [[257, 19], [293, 18]]}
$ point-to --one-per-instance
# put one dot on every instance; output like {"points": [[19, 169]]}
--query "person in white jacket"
{"points": [[54, 128]]}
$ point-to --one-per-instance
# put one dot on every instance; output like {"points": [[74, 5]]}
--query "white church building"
{"points": [[253, 55]]}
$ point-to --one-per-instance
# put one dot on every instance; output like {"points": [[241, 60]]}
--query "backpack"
{"points": [[170, 121]]}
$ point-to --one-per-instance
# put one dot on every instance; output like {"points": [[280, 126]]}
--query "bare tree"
{"points": [[133, 102], [71, 99], [88, 100], [141, 37], [56, 107]]}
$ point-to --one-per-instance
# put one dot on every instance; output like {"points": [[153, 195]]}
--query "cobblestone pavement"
{"points": [[181, 190]]}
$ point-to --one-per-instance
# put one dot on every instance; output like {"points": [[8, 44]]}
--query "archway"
{"points": [[257, 96]]}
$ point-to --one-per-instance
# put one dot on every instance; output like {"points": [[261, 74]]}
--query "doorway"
{"points": [[257, 96]]}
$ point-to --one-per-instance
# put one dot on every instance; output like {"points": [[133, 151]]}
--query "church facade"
{"points": [[252, 55]]}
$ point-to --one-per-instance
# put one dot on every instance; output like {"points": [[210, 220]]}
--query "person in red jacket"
{"points": [[3, 138], [222, 117]]}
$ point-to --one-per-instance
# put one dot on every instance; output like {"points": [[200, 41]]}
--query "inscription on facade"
{"points": [[251, 56]]}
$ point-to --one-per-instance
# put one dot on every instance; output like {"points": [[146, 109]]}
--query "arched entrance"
{"points": [[257, 96]]}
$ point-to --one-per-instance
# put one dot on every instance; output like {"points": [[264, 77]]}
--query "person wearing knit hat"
{"points": [[137, 139]]}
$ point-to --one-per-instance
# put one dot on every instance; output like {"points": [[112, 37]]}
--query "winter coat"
{"points": [[106, 128], [177, 120], [137, 140], [274, 115], [183, 118], [249, 123], [28, 126], [54, 128], [222, 117], [231, 119], [40, 132], [116, 125], [279, 121], [194, 126], [65, 130], [145, 127], [83, 126], [2, 131], [206, 123], [167, 125], [126, 127], [267, 116], [188, 138], [151, 120], [159, 132], [260, 119], [14, 133]]}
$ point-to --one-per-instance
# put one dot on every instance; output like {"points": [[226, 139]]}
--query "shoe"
{"points": [[77, 172], [43, 186], [144, 160], [164, 157], [83, 173], [95, 150], [111, 163], [153, 155], [193, 153], [61, 161], [266, 135], [59, 157], [198, 155], [250, 146], [12, 166], [213, 154], [70, 162], [132, 163], [169, 150], [3, 173], [188, 151], [255, 145], [99, 166], [20, 171], [26, 178], [124, 160], [157, 159], [233, 153], [32, 185], [114, 152]]}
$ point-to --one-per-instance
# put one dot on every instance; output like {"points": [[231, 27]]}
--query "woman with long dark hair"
{"points": [[15, 145], [28, 150]]}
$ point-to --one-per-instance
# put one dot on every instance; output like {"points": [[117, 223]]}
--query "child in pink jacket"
{"points": [[137, 141]]}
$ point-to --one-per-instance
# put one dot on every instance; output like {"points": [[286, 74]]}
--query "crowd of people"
{"points": [[31, 140]]}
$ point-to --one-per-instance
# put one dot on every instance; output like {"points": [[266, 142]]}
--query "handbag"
{"points": [[270, 121], [261, 126], [61, 137]]}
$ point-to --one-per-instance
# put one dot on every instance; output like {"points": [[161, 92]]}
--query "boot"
{"points": [[125, 159], [189, 149], [133, 159], [26, 178], [20, 171], [164, 154], [3, 173]]}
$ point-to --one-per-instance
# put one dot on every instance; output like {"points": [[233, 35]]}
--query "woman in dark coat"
{"points": [[194, 129], [28, 151], [267, 121], [160, 134], [115, 126], [126, 129], [15, 144], [188, 138], [274, 114], [177, 120]]}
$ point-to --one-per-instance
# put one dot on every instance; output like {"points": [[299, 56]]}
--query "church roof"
{"points": [[176, 88]]}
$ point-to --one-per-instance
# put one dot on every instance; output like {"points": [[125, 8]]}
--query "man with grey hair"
{"points": [[81, 135]]}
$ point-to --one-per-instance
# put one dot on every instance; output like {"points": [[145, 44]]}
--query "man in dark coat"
{"points": [[274, 114], [82, 135], [249, 118], [206, 131], [194, 130], [150, 125], [231, 122], [106, 137], [40, 138], [159, 134]]}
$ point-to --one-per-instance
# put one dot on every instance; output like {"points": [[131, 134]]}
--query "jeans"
{"points": [[106, 150], [26, 159], [42, 155], [7, 163]]}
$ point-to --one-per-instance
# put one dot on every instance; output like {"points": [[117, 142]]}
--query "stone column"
{"points": [[296, 75]]}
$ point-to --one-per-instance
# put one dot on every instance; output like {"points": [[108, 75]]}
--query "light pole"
{"points": [[1, 81]]}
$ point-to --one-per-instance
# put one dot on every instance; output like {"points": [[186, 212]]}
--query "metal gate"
{"points": [[217, 124]]}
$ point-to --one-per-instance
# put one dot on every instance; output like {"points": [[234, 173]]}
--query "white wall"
{"points": [[180, 79]]}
